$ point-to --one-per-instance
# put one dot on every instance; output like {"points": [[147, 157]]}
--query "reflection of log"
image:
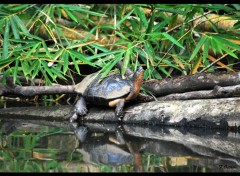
{"points": [[215, 147], [209, 113], [197, 143]]}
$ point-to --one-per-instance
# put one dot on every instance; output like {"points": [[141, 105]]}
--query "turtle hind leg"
{"points": [[79, 109]]}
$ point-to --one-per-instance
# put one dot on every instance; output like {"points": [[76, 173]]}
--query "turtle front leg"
{"points": [[119, 103], [79, 109]]}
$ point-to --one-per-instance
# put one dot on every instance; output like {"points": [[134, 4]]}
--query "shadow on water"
{"points": [[44, 146]]}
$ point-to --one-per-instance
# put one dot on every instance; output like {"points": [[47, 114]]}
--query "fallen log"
{"points": [[158, 88], [217, 92], [206, 113], [201, 81]]}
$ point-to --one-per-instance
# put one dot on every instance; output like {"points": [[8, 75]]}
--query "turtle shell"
{"points": [[110, 88]]}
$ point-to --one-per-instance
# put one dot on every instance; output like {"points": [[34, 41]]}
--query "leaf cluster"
{"points": [[53, 41]]}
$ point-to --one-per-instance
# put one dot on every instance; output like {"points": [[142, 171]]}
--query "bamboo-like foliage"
{"points": [[51, 41]]}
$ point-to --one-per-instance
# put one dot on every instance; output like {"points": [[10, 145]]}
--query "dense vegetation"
{"points": [[56, 41]]}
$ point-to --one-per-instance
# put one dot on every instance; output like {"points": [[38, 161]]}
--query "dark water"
{"points": [[42, 146], [46, 146]]}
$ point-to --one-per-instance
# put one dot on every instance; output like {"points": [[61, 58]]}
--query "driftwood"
{"points": [[219, 109], [208, 113], [188, 83]]}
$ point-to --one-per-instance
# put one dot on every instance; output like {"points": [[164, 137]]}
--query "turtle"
{"points": [[111, 91]]}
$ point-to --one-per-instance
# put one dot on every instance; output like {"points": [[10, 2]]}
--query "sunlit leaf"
{"points": [[65, 57], [164, 71], [5, 40], [195, 51], [25, 67], [169, 37], [36, 67], [71, 15], [20, 23], [106, 69], [196, 65], [205, 50], [124, 18], [49, 71], [14, 29], [127, 58], [150, 52], [75, 63], [142, 16]]}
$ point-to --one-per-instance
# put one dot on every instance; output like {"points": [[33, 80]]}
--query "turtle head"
{"points": [[138, 74], [140, 69]]}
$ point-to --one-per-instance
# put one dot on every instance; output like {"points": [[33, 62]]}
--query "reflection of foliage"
{"points": [[21, 152], [39, 150]]}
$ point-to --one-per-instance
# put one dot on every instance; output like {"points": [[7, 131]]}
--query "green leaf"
{"points": [[15, 71], [32, 50], [59, 34], [46, 49], [5, 40], [80, 57], [205, 50], [121, 35], [216, 46], [80, 9], [14, 29], [151, 23], [44, 64], [124, 18], [155, 35], [127, 58], [142, 16], [169, 37], [167, 62], [25, 67], [150, 52], [97, 56], [227, 42], [19, 7], [20, 24], [75, 63], [228, 51], [200, 43], [6, 61], [65, 57], [22, 48], [58, 72], [36, 67], [164, 71], [71, 15], [110, 65], [97, 46]]}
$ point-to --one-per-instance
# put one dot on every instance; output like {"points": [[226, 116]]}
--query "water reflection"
{"points": [[93, 147], [211, 149], [110, 149]]}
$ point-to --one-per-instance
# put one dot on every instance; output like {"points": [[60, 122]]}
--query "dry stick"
{"points": [[215, 62], [190, 21], [217, 92]]}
